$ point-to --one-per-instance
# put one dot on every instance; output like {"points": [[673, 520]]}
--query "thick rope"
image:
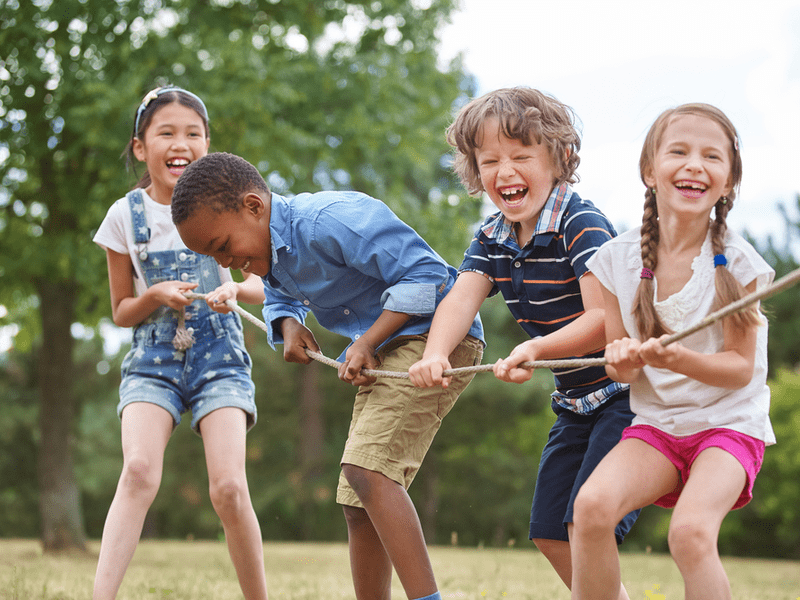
{"points": [[770, 290]]}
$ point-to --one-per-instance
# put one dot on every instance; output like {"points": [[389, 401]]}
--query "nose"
{"points": [[506, 168], [223, 260], [180, 141], [694, 162]]}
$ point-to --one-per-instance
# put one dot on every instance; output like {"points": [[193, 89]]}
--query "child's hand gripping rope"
{"points": [[778, 286]]}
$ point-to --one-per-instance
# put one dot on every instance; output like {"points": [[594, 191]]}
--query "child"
{"points": [[149, 269], [520, 147], [365, 275], [701, 405]]}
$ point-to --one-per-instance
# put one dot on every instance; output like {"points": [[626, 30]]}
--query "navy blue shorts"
{"points": [[577, 443]]}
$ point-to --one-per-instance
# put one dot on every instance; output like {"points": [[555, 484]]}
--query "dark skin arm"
{"points": [[360, 355]]}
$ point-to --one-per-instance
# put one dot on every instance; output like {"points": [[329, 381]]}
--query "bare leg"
{"points": [[224, 432], [558, 553], [714, 485], [146, 429], [396, 523], [369, 563], [632, 475]]}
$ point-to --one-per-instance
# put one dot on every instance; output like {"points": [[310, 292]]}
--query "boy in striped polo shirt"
{"points": [[520, 147]]}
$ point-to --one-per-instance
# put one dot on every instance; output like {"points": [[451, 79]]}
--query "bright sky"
{"points": [[619, 64]]}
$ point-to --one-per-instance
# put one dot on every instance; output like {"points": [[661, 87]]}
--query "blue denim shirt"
{"points": [[347, 257]]}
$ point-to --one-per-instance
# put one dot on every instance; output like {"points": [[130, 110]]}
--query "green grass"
{"points": [[201, 570]]}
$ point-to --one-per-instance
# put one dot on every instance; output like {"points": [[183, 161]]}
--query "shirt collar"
{"points": [[279, 225], [500, 229]]}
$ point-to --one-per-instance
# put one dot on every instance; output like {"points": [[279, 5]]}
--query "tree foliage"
{"points": [[783, 309], [318, 95]]}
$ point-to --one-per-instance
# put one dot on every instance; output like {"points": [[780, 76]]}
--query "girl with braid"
{"points": [[701, 406]]}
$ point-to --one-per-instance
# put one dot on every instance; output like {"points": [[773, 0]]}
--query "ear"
{"points": [[728, 188], [253, 204], [138, 149], [648, 178]]}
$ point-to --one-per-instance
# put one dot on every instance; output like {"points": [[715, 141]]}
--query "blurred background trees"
{"points": [[327, 95]]}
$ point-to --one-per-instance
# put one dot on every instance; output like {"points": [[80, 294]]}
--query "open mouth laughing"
{"points": [[691, 189], [177, 165], [513, 194]]}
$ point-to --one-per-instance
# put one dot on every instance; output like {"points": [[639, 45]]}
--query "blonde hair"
{"points": [[727, 288], [525, 114]]}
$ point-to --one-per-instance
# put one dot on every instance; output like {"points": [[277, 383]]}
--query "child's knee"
{"points": [[690, 538], [361, 480], [355, 517], [593, 509], [228, 495], [140, 476]]}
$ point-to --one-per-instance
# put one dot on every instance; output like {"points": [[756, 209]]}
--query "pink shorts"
{"points": [[683, 451]]}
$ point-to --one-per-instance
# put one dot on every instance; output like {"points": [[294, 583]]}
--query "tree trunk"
{"points": [[62, 525]]}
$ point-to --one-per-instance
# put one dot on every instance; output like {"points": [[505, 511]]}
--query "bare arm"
{"points": [[129, 310], [451, 323], [250, 291], [584, 335], [361, 354], [622, 352], [732, 368]]}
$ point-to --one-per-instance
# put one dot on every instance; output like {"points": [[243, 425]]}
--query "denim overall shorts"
{"points": [[212, 373]]}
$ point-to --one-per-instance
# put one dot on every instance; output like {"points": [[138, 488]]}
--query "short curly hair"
{"points": [[218, 181], [525, 114]]}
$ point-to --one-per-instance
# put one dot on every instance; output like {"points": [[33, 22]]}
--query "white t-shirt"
{"points": [[116, 233], [672, 402]]}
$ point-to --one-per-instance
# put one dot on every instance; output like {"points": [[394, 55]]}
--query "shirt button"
{"points": [[306, 302], [184, 277], [347, 311], [182, 255], [356, 336], [516, 264]]}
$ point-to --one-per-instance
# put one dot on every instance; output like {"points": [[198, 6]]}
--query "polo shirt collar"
{"points": [[500, 228]]}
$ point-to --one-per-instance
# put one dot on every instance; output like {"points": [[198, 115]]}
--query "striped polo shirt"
{"points": [[540, 282]]}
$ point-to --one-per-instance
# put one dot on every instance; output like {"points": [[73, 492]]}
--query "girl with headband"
{"points": [[201, 366]]}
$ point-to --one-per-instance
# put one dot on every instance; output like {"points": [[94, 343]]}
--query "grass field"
{"points": [[201, 570]]}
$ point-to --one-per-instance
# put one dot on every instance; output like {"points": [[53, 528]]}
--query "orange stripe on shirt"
{"points": [[556, 281], [578, 314], [584, 231]]}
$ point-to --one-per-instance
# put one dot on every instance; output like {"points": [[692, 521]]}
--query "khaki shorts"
{"points": [[394, 422]]}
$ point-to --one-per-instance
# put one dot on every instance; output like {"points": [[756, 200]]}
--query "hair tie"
{"points": [[646, 273], [720, 260], [153, 94]]}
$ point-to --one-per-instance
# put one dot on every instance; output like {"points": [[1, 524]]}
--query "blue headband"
{"points": [[153, 94]]}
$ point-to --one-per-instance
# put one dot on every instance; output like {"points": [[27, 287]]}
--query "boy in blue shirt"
{"points": [[520, 147], [365, 275]]}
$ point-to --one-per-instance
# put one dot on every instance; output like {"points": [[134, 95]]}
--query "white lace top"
{"points": [[667, 400]]}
